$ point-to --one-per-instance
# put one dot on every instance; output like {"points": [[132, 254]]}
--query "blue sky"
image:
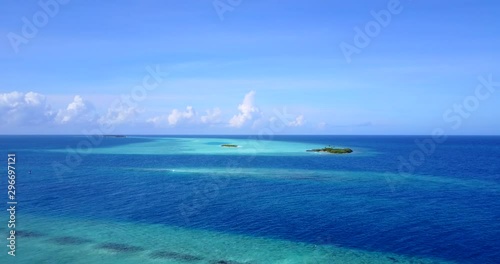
{"points": [[247, 67]]}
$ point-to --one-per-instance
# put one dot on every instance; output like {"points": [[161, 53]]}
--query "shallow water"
{"points": [[94, 241]]}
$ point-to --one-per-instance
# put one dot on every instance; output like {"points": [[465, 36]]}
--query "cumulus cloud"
{"points": [[211, 117], [31, 109], [299, 121], [11, 100], [78, 111], [176, 115], [24, 108], [246, 111]]}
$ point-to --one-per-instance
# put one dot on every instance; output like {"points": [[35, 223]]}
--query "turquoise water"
{"points": [[187, 200], [212, 146]]}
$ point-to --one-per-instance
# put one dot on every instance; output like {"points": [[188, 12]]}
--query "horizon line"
{"points": [[382, 135]]}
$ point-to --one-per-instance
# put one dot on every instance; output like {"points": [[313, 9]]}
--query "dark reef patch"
{"points": [[225, 262], [120, 248], [393, 260], [23, 233], [67, 240], [161, 254]]}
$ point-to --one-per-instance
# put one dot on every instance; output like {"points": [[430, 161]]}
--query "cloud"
{"points": [[31, 110], [299, 121], [157, 120], [189, 115], [247, 109], [286, 120], [24, 108], [78, 111], [212, 116], [176, 115], [119, 114]]}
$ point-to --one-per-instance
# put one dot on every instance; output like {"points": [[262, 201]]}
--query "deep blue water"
{"points": [[454, 217]]}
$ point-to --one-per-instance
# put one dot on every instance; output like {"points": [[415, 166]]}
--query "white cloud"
{"points": [[119, 114], [212, 116], [157, 120], [78, 111], [176, 115], [11, 100], [299, 121], [189, 115], [24, 109], [32, 98], [247, 109], [31, 109]]}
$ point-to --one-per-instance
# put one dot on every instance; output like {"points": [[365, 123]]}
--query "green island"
{"points": [[229, 146], [332, 150]]}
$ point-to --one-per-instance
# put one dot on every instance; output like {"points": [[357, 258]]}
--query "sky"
{"points": [[372, 67]]}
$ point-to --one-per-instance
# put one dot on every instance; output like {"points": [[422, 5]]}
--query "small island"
{"points": [[115, 136], [331, 150], [229, 146]]}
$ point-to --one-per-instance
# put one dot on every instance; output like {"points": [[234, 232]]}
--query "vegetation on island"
{"points": [[229, 146], [331, 150]]}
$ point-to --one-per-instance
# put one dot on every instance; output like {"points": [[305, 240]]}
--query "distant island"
{"points": [[229, 146], [332, 150], [116, 136]]}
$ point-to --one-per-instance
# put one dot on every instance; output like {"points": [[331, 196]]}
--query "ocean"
{"points": [[185, 199]]}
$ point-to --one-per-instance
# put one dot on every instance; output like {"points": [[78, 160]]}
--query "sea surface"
{"points": [[185, 199]]}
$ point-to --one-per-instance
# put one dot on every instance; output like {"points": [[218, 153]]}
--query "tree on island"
{"points": [[229, 146], [331, 150]]}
